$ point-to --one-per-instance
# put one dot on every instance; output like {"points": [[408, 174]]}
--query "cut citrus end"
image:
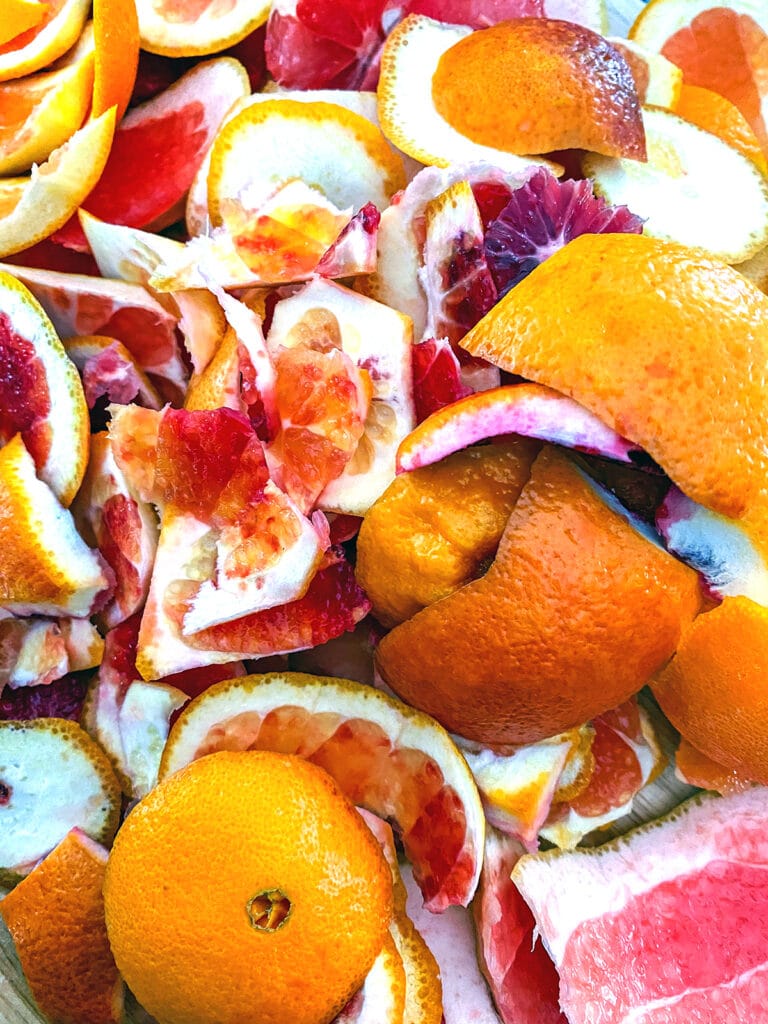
{"points": [[218, 386], [678, 191], [658, 81], [121, 525], [372, 336], [41, 112], [520, 64], [47, 568], [116, 41], [273, 903], [629, 282], [41, 394], [383, 991], [717, 115], [718, 45], [41, 44], [364, 739], [712, 690], [20, 16], [56, 918], [433, 529], [193, 28], [408, 115], [310, 141], [514, 657], [57, 779], [33, 208]]}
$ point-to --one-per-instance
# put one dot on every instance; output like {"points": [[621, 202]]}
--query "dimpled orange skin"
{"points": [[199, 847], [719, 116], [666, 345], [432, 528], [533, 85], [714, 689], [56, 918], [574, 616]]}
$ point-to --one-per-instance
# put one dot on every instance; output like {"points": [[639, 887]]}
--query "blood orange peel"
{"points": [[269, 911], [56, 918], [407, 112], [514, 657], [362, 737], [57, 779], [44, 41], [34, 207], [41, 112], [40, 392]]}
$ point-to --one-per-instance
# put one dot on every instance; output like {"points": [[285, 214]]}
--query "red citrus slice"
{"points": [[82, 305], [529, 410], [515, 963], [41, 396], [645, 906], [398, 763], [174, 130], [121, 525]]}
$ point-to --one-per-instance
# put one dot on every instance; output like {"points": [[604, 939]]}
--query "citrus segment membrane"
{"points": [[528, 410], [57, 779], [110, 373], [47, 568], [365, 740], [196, 29], [44, 41], [517, 967], [378, 341], [82, 305], [536, 645], [41, 396], [41, 112], [717, 318], [177, 127], [121, 525], [33, 207], [408, 115], [606, 909], [676, 190], [56, 918]]}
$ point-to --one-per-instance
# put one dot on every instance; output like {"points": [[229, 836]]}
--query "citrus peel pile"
{"points": [[382, 426]]}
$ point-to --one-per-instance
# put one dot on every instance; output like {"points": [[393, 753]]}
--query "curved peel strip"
{"points": [[194, 30], [529, 410], [33, 208], [365, 740], [43, 42], [116, 42]]}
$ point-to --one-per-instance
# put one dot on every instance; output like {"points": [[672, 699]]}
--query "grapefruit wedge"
{"points": [[194, 28], [33, 207], [626, 924], [388, 758], [44, 40]]}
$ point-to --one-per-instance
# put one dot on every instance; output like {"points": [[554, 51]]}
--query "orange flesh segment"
{"points": [[727, 52], [495, 86]]}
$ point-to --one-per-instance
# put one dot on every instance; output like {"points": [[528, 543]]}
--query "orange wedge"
{"points": [[20, 16], [40, 392], [116, 38], [719, 116], [34, 207], [45, 566], [191, 28], [40, 112], [45, 40], [655, 317], [56, 918]]}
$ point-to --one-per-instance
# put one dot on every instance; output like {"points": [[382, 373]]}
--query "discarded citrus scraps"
{"points": [[382, 501]]}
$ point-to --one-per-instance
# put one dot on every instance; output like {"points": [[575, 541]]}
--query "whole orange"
{"points": [[246, 889]]}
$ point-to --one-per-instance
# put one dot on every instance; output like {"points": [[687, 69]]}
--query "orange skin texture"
{"points": [[432, 529], [56, 918], [116, 38], [719, 116], [533, 85], [699, 770], [575, 615], [199, 847], [666, 345], [714, 690]]}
